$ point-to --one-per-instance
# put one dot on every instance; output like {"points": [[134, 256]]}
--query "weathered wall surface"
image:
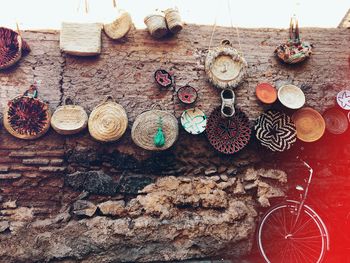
{"points": [[67, 199]]}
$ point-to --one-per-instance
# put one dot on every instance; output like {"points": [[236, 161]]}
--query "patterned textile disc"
{"points": [[163, 78], [228, 135], [194, 121], [275, 130]]}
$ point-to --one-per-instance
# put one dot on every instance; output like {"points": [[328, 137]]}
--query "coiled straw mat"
{"points": [[146, 126], [108, 121], [69, 119]]}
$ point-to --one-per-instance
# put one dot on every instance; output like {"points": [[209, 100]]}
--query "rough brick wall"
{"points": [[32, 174]]}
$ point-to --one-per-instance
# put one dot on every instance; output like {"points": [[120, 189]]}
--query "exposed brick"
{"points": [[10, 176], [23, 168], [53, 169], [36, 161], [3, 169], [56, 161], [22, 154], [53, 153]]}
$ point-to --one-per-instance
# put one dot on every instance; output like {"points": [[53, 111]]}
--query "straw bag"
{"points": [[156, 25], [108, 121], [81, 39], [12, 47], [155, 130], [119, 27], [173, 20], [69, 119], [26, 116]]}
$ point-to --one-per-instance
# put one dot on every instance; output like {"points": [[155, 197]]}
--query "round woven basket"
{"points": [[108, 121], [69, 119], [156, 25], [119, 27], [27, 117], [173, 20], [146, 125], [225, 67]]}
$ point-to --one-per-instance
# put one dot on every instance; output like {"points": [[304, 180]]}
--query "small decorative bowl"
{"points": [[194, 121], [163, 78], [291, 96], [343, 99], [266, 93], [187, 94]]}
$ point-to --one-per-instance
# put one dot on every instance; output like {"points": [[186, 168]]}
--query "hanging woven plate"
{"points": [[228, 135], [194, 121], [108, 121], [336, 121], [26, 116], [11, 47], [275, 130], [155, 130], [225, 67], [69, 119], [163, 78], [187, 94], [343, 99], [291, 96]]}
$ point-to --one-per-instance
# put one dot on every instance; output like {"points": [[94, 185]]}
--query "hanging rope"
{"points": [[237, 31], [114, 3]]}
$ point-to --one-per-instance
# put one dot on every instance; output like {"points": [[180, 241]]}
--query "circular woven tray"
{"points": [[291, 96], [266, 93], [343, 99], [163, 78], [194, 121], [108, 121], [228, 135], [187, 94], [27, 117], [336, 121], [146, 125], [275, 130], [225, 67]]}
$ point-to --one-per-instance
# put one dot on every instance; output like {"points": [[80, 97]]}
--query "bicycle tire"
{"points": [[283, 245]]}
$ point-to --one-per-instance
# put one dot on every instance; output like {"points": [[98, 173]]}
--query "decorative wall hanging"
{"points": [[309, 123], [155, 130], [336, 121], [26, 116], [291, 96], [227, 103], [81, 39], [275, 130], [228, 135], [173, 20], [343, 99], [119, 27], [156, 25], [225, 67], [108, 121], [12, 46], [187, 94], [69, 119], [294, 50], [266, 93], [194, 121], [163, 78]]}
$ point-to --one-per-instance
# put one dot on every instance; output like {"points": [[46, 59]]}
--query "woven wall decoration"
{"points": [[12, 46], [26, 116], [228, 135], [336, 121], [194, 121], [163, 78], [187, 94], [146, 127], [69, 119], [275, 130], [108, 121], [119, 27], [225, 67]]}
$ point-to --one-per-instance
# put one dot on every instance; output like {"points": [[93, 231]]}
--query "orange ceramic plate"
{"points": [[266, 93], [310, 124]]}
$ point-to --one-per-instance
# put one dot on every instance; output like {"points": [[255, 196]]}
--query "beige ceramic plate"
{"points": [[291, 96]]}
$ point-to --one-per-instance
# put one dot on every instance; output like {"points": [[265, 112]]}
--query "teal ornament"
{"points": [[159, 138]]}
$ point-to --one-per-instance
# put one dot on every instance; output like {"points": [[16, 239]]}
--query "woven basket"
{"points": [[119, 27], [225, 67], [146, 125], [11, 47], [27, 117], [173, 20], [81, 39], [108, 121], [69, 119], [156, 25]]}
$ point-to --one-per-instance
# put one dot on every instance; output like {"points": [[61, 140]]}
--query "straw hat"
{"points": [[146, 126], [336, 121], [266, 93], [108, 121], [309, 123], [69, 119], [291, 96], [119, 27]]}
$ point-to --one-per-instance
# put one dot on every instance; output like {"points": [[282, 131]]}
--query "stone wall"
{"points": [[72, 199]]}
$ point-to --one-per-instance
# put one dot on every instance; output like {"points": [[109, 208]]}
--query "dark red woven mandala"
{"points": [[163, 78], [187, 94], [228, 135]]}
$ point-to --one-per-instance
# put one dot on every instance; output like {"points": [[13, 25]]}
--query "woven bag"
{"points": [[12, 47], [26, 116], [147, 125], [173, 20], [108, 121], [119, 27], [81, 39], [156, 25], [69, 119]]}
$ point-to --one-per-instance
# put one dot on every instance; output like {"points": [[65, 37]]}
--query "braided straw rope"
{"points": [[146, 125], [108, 121]]}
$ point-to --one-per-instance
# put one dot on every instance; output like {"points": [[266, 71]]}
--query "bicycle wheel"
{"points": [[281, 239]]}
